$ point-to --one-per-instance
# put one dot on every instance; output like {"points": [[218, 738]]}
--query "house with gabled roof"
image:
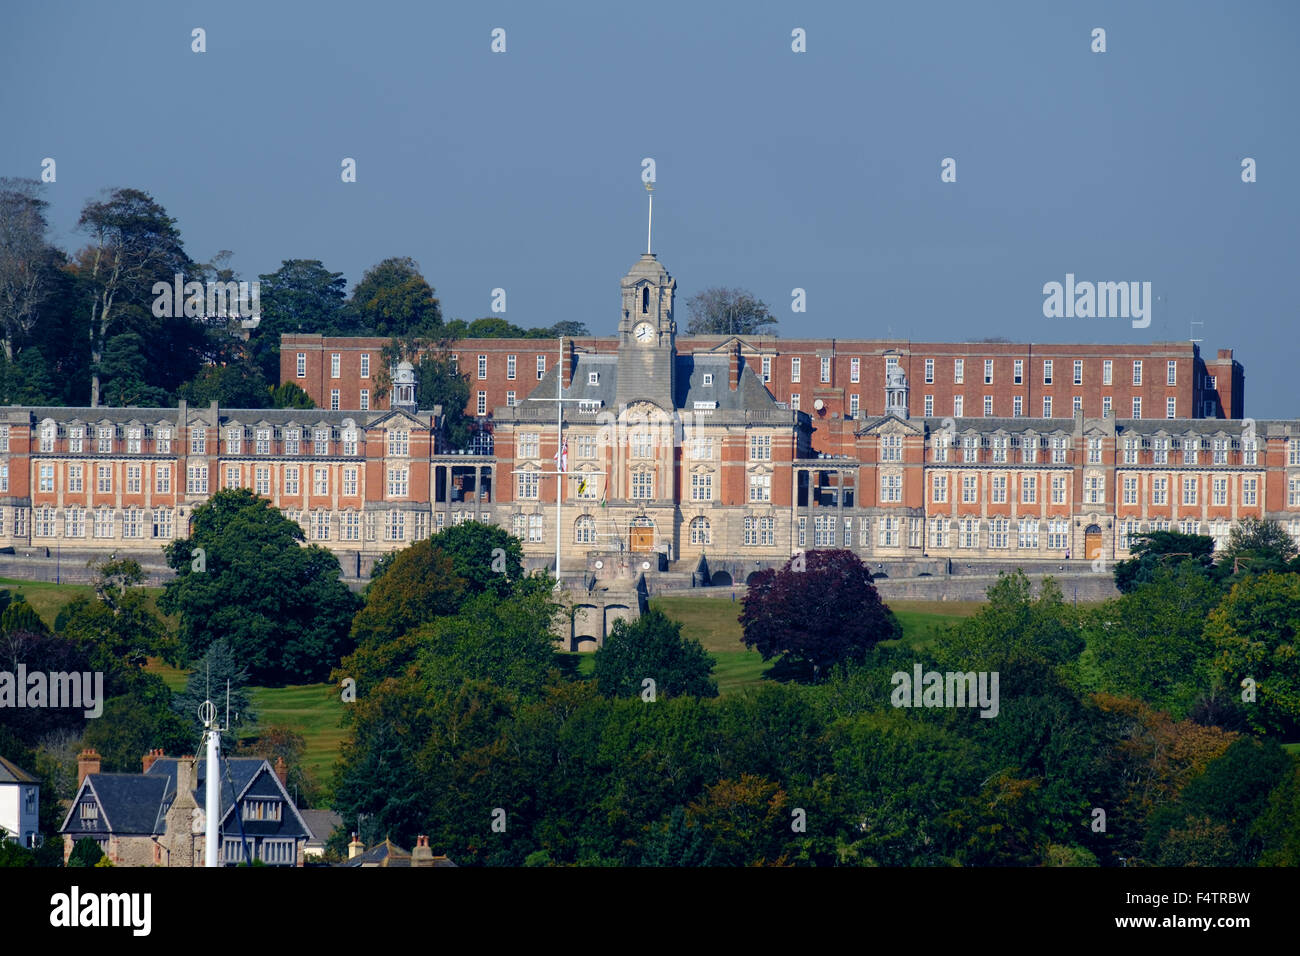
{"points": [[20, 798], [156, 818]]}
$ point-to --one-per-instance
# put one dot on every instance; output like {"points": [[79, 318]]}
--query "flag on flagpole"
{"points": [[582, 487], [562, 457]]}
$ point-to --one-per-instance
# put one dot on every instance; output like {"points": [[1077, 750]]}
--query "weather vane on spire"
{"points": [[650, 188]]}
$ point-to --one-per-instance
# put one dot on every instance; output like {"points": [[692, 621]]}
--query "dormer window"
{"points": [[645, 300], [708, 379], [593, 378], [48, 433], [106, 440], [75, 435], [163, 442], [292, 437], [234, 440], [134, 434], [264, 441], [257, 808]]}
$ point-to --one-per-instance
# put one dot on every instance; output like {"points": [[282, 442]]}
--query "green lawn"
{"points": [[312, 710], [47, 598]]}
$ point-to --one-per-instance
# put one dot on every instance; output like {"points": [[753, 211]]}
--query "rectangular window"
{"points": [[395, 526], [106, 440], [1047, 406], [320, 525], [320, 483], [528, 445], [1250, 491], [365, 365], [855, 370], [196, 480], [1219, 490], [1171, 408], [302, 365], [263, 440], [1077, 404], [103, 523], [104, 479], [1137, 407], [958, 371], [641, 445], [510, 367], [794, 369], [929, 371], [702, 486], [643, 484], [1160, 491], [350, 482], [1130, 490], [999, 489], [825, 369], [760, 447], [1018, 372], [1094, 451], [74, 441], [1078, 372], [889, 532], [969, 534], [134, 435], [891, 447], [398, 482], [232, 476], [1029, 489], [1058, 535], [1017, 406], [1058, 489], [74, 478], [336, 365], [1106, 371], [541, 367], [1047, 371], [351, 526], [1094, 492], [291, 480], [334, 399], [262, 481], [988, 406], [1137, 372], [767, 368], [1105, 406], [939, 489], [988, 371], [760, 487], [527, 483], [891, 488], [969, 489], [481, 404], [1027, 535], [1189, 490], [1058, 451], [958, 406], [321, 441], [1171, 374], [292, 438], [133, 479], [364, 403], [510, 400], [853, 404], [482, 367], [46, 482]]}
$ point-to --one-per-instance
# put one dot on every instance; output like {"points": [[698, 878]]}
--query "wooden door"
{"points": [[1092, 542], [643, 539]]}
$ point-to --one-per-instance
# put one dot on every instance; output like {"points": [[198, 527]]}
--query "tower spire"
{"points": [[649, 188]]}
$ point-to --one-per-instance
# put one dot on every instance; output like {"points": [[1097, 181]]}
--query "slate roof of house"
{"points": [[242, 770], [387, 853], [11, 773], [321, 823]]}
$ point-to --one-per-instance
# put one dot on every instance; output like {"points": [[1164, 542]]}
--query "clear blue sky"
{"points": [[776, 170]]}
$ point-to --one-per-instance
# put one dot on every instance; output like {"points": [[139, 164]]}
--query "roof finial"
{"points": [[650, 188]]}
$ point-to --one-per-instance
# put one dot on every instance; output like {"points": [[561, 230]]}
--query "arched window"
{"points": [[699, 530], [645, 299], [584, 530]]}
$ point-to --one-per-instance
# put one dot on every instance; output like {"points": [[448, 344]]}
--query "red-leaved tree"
{"points": [[818, 610]]}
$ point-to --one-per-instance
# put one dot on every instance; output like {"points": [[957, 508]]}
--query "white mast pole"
{"points": [[212, 800], [651, 218], [559, 456]]}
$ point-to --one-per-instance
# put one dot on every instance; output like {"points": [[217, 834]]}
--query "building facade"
{"points": [[739, 450]]}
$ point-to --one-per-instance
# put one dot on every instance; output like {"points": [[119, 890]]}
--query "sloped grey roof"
{"points": [[129, 802], [321, 823], [11, 773]]}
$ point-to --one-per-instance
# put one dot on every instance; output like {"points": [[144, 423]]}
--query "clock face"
{"points": [[644, 333]]}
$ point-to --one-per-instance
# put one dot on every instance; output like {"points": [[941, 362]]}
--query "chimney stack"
{"points": [[150, 758], [282, 772], [355, 848], [422, 855], [87, 763], [733, 372], [566, 364]]}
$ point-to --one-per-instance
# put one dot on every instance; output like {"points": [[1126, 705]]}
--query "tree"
{"points": [[819, 609], [1150, 643], [489, 559], [744, 821], [567, 329], [133, 243], [419, 585], [652, 647], [118, 626], [282, 606], [720, 311], [25, 260], [235, 384], [124, 371], [394, 299], [1161, 547], [301, 296], [85, 852], [290, 395], [1256, 546], [1254, 633], [441, 383], [217, 671]]}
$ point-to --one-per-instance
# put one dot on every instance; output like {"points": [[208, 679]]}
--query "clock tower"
{"points": [[647, 334]]}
